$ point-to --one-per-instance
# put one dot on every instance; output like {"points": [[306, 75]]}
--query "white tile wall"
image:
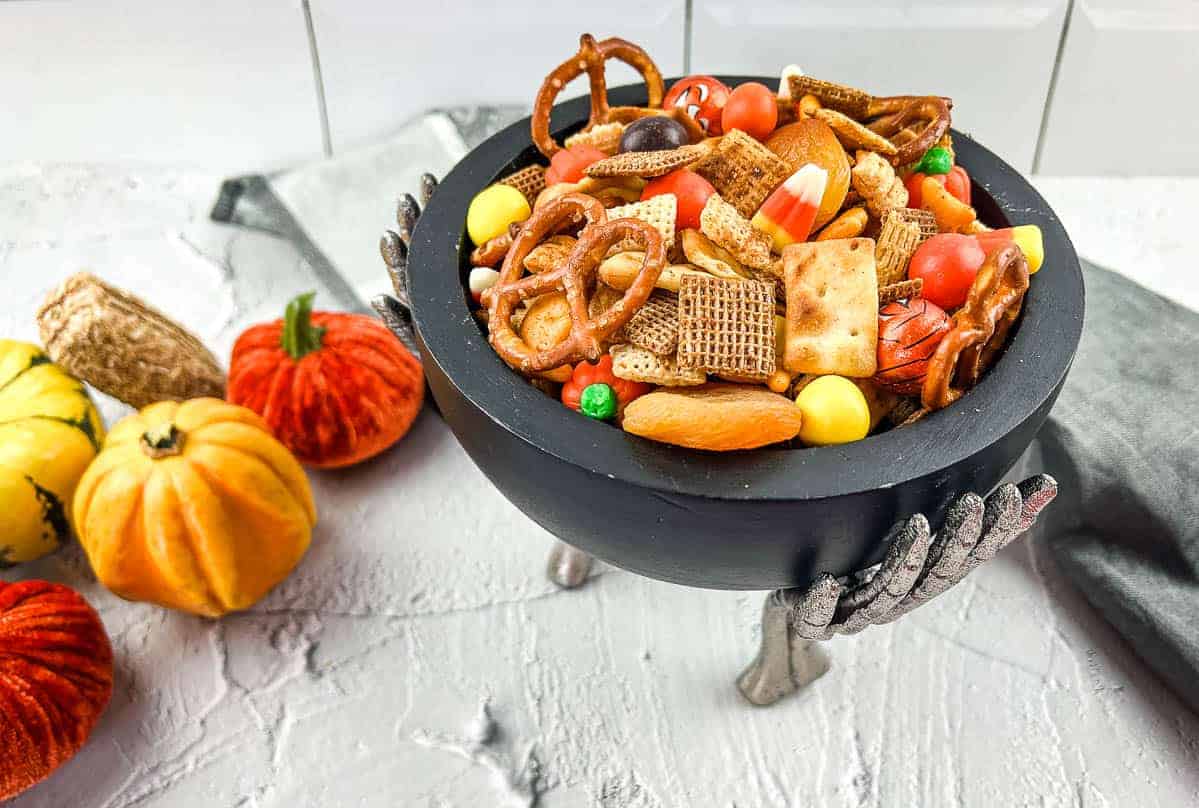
{"points": [[224, 82], [383, 62], [1127, 96], [993, 58], [230, 84]]}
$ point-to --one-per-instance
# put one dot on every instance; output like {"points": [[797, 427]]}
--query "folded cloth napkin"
{"points": [[1123, 442]]}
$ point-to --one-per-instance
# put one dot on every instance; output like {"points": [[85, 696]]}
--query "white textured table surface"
{"points": [[359, 681]]}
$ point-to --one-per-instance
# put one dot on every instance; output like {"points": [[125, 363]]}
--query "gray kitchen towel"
{"points": [[1123, 443]]}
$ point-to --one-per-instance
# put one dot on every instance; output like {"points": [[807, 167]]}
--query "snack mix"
{"points": [[728, 268]]}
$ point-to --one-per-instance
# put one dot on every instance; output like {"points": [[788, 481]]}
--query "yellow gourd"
{"points": [[194, 506], [49, 432]]}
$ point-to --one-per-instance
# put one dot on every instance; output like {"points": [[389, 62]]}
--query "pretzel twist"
{"points": [[590, 60], [573, 276], [923, 119], [978, 329]]}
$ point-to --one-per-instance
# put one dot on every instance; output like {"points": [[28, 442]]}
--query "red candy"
{"points": [[702, 98], [690, 189], [908, 333], [957, 182], [948, 263], [567, 164], [752, 108]]}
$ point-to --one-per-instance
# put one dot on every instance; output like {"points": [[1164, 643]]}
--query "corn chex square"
{"points": [[659, 211], [530, 181], [727, 228], [655, 326], [923, 219], [637, 364]]}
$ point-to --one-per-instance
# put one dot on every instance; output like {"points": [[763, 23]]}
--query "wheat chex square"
{"points": [[726, 327]]}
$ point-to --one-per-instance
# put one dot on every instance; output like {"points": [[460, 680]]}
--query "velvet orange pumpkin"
{"points": [[55, 680], [334, 388]]}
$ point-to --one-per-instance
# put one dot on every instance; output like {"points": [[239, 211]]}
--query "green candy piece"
{"points": [[935, 161], [598, 401]]}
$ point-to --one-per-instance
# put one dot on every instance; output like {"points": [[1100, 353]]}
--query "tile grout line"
{"points": [[688, 12], [1053, 76], [318, 80]]}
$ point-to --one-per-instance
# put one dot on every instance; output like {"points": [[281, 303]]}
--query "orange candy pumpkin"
{"points": [[334, 388], [55, 680]]}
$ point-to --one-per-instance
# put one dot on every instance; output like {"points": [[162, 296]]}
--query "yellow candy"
{"points": [[493, 209], [834, 411], [1028, 239]]}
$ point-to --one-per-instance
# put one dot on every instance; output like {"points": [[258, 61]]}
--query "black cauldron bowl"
{"points": [[760, 519]]}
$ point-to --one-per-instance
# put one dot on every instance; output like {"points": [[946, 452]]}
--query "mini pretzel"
{"points": [[590, 60], [573, 276], [492, 251], [978, 329], [906, 112]]}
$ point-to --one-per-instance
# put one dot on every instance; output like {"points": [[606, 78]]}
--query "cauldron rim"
{"points": [[1029, 372]]}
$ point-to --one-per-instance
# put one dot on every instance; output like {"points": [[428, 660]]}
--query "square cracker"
{"points": [[832, 307]]}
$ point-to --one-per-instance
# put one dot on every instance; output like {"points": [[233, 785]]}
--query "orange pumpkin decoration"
{"points": [[334, 388], [55, 680], [194, 506]]}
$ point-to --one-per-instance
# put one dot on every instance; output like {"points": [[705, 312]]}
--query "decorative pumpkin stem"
{"points": [[300, 337], [163, 440]]}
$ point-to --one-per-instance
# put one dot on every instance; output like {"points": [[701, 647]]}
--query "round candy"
{"points": [[834, 411], [598, 401], [654, 133], [690, 190], [752, 108], [908, 333], [779, 381], [948, 263], [493, 209], [702, 98], [935, 161], [567, 164]]}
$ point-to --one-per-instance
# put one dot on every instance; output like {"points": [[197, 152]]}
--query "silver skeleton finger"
{"points": [[871, 601]]}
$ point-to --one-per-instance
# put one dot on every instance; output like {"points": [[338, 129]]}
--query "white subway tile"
{"points": [[1125, 101], [222, 83], [385, 62], [993, 58]]}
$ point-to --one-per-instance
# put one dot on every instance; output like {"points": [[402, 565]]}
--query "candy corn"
{"points": [[788, 213], [1026, 236]]}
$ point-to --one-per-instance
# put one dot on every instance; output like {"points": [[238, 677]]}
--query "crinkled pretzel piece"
{"points": [[977, 330], [925, 117], [909, 124], [573, 276]]}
